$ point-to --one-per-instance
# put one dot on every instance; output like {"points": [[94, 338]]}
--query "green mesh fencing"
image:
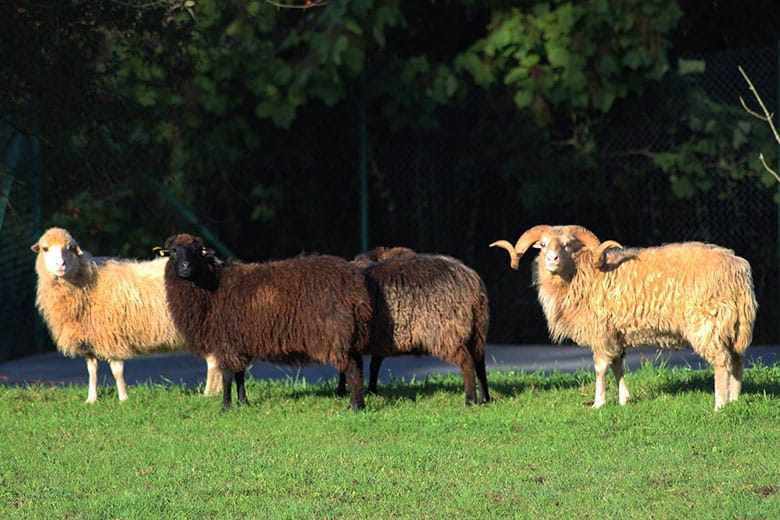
{"points": [[20, 216], [742, 215]]}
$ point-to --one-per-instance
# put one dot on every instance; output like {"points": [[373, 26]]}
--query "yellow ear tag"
{"points": [[204, 252], [161, 251]]}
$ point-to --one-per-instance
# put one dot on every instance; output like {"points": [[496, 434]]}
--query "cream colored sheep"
{"points": [[674, 296], [106, 309]]}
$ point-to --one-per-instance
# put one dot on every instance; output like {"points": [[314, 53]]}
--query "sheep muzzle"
{"points": [[184, 269]]}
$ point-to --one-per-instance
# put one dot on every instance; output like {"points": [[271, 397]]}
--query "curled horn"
{"points": [[592, 242], [514, 261], [525, 241], [599, 258]]}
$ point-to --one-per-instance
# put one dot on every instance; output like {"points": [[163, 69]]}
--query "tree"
{"points": [[765, 116]]}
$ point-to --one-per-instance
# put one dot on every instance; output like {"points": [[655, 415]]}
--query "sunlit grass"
{"points": [[417, 451]]}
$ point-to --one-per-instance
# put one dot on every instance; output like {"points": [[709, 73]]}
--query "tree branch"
{"points": [[767, 117], [770, 170], [307, 5]]}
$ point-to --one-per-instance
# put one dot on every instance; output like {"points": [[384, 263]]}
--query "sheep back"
{"points": [[426, 304]]}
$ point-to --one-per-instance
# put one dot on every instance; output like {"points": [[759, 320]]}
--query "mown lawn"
{"points": [[416, 452]]}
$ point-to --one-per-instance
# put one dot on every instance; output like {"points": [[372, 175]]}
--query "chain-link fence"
{"points": [[20, 216], [424, 209], [742, 213]]}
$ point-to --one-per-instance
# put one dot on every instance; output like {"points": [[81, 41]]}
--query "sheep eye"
{"points": [[45, 249], [543, 244]]}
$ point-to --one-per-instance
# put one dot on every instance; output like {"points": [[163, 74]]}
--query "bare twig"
{"points": [[767, 117], [770, 170], [309, 4]]}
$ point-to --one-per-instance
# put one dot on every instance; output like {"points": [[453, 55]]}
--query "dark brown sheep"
{"points": [[309, 309], [426, 304]]}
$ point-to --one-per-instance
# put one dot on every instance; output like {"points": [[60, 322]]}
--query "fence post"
{"points": [[185, 212], [363, 166]]}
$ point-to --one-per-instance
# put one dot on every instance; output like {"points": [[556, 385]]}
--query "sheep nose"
{"points": [[552, 256], [184, 269]]}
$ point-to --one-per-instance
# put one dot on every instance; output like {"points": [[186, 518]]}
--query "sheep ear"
{"points": [[159, 251], [537, 244], [35, 247], [78, 250]]}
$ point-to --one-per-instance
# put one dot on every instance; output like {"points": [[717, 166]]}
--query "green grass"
{"points": [[416, 452]]}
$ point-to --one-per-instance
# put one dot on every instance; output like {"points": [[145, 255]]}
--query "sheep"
{"points": [[103, 308], [426, 304], [307, 309], [681, 295]]}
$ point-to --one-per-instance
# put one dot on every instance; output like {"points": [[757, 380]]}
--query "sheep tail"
{"points": [[747, 308], [746, 318]]}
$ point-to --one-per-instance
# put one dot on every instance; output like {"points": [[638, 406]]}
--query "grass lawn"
{"points": [[417, 451]]}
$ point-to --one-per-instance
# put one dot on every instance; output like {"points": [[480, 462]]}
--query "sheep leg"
{"points": [[721, 386], [469, 377], [118, 370], [354, 375], [617, 369], [213, 375], [92, 370], [735, 376], [728, 380], [240, 388], [600, 364], [341, 390], [373, 374], [479, 366], [227, 388]]}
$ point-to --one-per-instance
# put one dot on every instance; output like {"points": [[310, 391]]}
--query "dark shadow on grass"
{"points": [[758, 379], [393, 390], [513, 384], [704, 381], [521, 383], [503, 385]]}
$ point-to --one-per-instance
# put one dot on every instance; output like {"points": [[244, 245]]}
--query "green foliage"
{"points": [[478, 117], [572, 56], [415, 452], [411, 90], [713, 146], [235, 54]]}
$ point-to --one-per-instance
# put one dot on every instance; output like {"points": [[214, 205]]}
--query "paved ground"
{"points": [[184, 369]]}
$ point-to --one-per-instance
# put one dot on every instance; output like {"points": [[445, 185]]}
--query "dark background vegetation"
{"points": [[244, 120]]}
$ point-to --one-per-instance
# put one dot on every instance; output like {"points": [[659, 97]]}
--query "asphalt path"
{"points": [[180, 368]]}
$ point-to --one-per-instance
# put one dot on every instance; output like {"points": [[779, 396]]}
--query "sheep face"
{"points": [[58, 252], [555, 242], [557, 250], [190, 257]]}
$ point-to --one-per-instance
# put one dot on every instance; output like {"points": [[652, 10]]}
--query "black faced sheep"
{"points": [[427, 304], [674, 296], [308, 309], [103, 308]]}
